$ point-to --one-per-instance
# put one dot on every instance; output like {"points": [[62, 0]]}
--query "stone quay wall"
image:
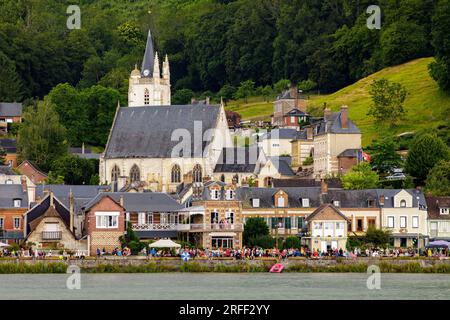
{"points": [[177, 262]]}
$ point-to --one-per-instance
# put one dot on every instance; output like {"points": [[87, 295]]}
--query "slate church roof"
{"points": [[146, 132]]}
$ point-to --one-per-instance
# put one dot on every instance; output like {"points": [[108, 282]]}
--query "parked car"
{"points": [[396, 176]]}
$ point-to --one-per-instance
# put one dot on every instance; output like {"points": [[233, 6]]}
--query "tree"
{"points": [[41, 137], [227, 92], [360, 177], [75, 170], [307, 85], [182, 96], [267, 92], [402, 41], [377, 238], [384, 155], [388, 98], [292, 242], [2, 156], [53, 178], [245, 90], [440, 70], [281, 85], [425, 152], [254, 228], [10, 82], [438, 180]]}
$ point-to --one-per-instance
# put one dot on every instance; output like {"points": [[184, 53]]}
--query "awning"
{"points": [[165, 243], [408, 235], [194, 210]]}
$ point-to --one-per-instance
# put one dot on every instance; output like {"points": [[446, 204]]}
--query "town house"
{"points": [[213, 216], [13, 205], [438, 218]]}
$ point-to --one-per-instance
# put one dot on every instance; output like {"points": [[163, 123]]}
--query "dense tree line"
{"points": [[214, 43]]}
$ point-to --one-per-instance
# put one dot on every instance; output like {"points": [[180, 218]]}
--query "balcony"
{"points": [[154, 227], [51, 235], [216, 227]]}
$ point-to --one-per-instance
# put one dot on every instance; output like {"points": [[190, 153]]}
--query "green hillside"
{"points": [[425, 105]]}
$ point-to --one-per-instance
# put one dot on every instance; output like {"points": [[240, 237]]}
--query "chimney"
{"points": [[344, 117], [82, 148], [293, 90], [324, 186], [23, 182], [327, 114], [309, 133], [193, 100], [121, 202], [71, 211], [207, 100]]}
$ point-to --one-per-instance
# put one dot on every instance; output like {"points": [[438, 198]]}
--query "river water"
{"points": [[203, 286]]}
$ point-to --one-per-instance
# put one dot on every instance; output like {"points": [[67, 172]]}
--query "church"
{"points": [[156, 146]]}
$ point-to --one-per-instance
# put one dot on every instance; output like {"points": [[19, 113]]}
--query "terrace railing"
{"points": [[154, 226], [51, 235]]}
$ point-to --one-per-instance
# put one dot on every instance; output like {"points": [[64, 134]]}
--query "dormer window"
{"points": [[403, 204], [230, 194], [336, 203], [305, 203], [444, 211], [17, 203], [255, 203], [9, 181], [215, 195], [280, 202], [370, 203]]}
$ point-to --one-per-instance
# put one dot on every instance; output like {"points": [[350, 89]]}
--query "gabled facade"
{"points": [[438, 218], [49, 224], [104, 224], [327, 229]]}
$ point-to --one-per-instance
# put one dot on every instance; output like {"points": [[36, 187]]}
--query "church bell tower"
{"points": [[147, 87]]}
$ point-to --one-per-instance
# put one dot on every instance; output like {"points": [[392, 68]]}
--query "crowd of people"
{"points": [[238, 254]]}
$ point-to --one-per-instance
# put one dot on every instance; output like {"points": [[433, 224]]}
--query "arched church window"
{"points": [[176, 174], [146, 97], [197, 173], [115, 173], [135, 174]]}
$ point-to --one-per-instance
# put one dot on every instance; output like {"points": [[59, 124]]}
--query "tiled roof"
{"points": [[334, 125], [9, 145], [9, 192], [238, 160], [434, 204], [140, 201], [10, 109]]}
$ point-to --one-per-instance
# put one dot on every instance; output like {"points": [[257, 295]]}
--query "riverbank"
{"points": [[224, 265]]}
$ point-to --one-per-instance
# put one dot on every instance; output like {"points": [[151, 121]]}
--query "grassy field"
{"points": [[425, 105]]}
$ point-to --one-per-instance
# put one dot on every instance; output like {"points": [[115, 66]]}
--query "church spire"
{"points": [[148, 62], [156, 71], [166, 69]]}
